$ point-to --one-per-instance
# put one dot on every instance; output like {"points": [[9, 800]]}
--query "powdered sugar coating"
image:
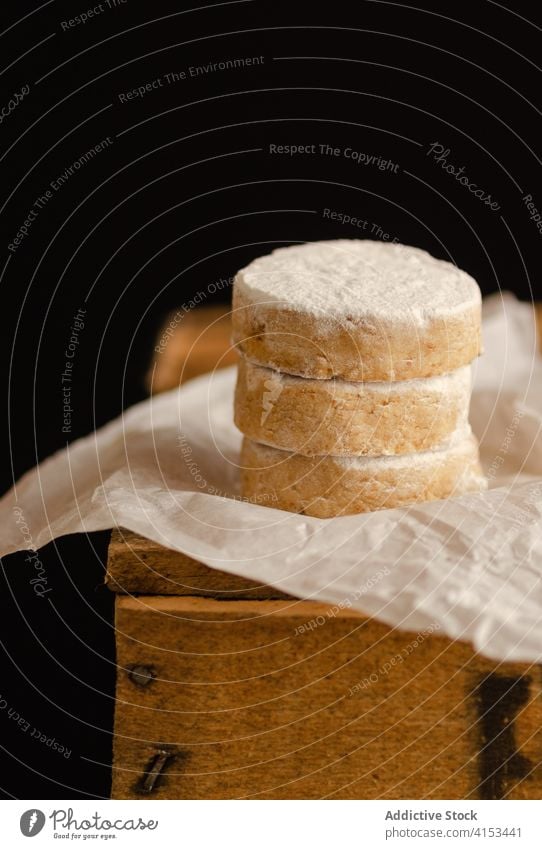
{"points": [[461, 441], [351, 279], [454, 381]]}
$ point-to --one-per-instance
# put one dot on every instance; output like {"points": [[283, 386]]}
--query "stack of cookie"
{"points": [[354, 383]]}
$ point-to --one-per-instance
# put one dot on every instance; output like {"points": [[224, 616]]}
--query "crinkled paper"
{"points": [[469, 566]]}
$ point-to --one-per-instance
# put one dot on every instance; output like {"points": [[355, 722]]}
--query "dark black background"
{"points": [[187, 193]]}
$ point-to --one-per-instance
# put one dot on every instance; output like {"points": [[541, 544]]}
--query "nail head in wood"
{"points": [[149, 781], [141, 675]]}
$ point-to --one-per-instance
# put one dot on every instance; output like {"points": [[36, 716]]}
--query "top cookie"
{"points": [[358, 310]]}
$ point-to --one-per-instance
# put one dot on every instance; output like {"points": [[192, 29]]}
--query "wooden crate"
{"points": [[228, 689], [225, 689]]}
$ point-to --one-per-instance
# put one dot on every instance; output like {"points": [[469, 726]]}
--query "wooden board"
{"points": [[280, 699], [138, 565]]}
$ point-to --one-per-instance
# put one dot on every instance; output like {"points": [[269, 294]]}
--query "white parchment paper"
{"points": [[470, 567]]}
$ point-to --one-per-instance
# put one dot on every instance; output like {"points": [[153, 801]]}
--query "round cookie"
{"points": [[356, 309], [315, 417], [335, 486]]}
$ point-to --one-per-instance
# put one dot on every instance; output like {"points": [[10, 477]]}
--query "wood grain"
{"points": [[138, 565], [243, 700]]}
